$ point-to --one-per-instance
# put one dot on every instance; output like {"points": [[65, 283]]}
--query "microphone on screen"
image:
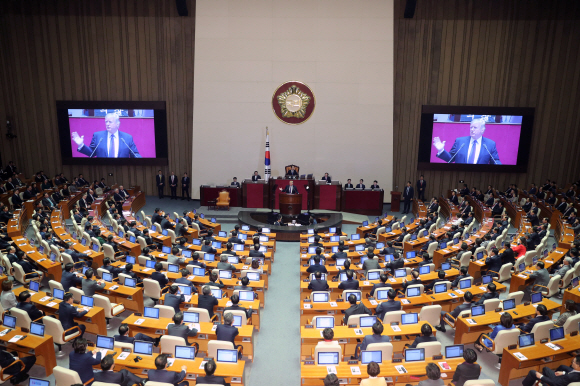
{"points": [[123, 139], [461, 147], [96, 147], [495, 163]]}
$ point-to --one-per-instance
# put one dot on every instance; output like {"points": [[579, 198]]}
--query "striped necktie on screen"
{"points": [[472, 152], [112, 147]]}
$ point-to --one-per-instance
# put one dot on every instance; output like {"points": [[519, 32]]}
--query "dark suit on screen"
{"points": [[460, 150], [127, 148]]}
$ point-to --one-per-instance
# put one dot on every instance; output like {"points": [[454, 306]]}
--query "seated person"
{"points": [[506, 322], [433, 376], [82, 361], [541, 316], [235, 299], [227, 332], [426, 259], [19, 373], [209, 378], [440, 279], [244, 287], [376, 337], [490, 293], [183, 280], [373, 370], [316, 242], [415, 280], [124, 337], [350, 283], [173, 299], [355, 309], [25, 304], [468, 370], [158, 276], [462, 275], [371, 262], [383, 284], [570, 311], [398, 262], [426, 336], [161, 374], [113, 270], [563, 375], [108, 374], [389, 305], [206, 300], [318, 284], [466, 305], [181, 330]]}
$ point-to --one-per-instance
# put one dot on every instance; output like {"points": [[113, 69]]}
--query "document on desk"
{"points": [[520, 356], [392, 280], [4, 332], [553, 346], [139, 321], [471, 321], [331, 369], [114, 287], [170, 361], [307, 306], [405, 301], [147, 269], [373, 302], [460, 292], [44, 299], [396, 328], [522, 276], [401, 369], [103, 352], [15, 338], [51, 304], [355, 370], [333, 304], [358, 331]]}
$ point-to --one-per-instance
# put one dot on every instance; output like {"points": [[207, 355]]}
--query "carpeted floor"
{"points": [[277, 345]]}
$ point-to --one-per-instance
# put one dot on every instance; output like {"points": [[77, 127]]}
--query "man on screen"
{"points": [[109, 143], [474, 149]]}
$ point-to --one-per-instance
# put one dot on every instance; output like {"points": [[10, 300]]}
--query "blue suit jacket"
{"points": [[166, 376], [125, 143], [83, 364], [461, 148]]}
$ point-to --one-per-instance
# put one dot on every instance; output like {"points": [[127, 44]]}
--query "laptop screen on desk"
{"points": [[107, 277], [355, 237], [446, 266], [237, 321], [509, 304], [312, 250], [34, 285], [238, 247], [87, 301], [130, 282], [216, 245], [253, 276], [556, 333], [233, 259], [380, 246], [185, 352], [401, 272], [37, 329], [359, 248], [425, 269], [198, 272], [389, 258], [357, 294], [325, 322], [443, 245], [9, 321], [365, 223], [142, 347], [225, 274], [242, 236], [455, 351], [320, 297], [209, 257], [222, 234], [38, 382], [245, 227], [57, 293], [526, 340], [216, 293], [413, 291], [412, 318], [166, 249], [440, 288], [373, 275], [334, 239], [105, 342], [464, 283], [371, 356], [132, 239], [536, 298], [332, 230], [120, 233], [486, 279], [264, 239], [479, 255], [414, 236], [382, 294], [310, 232], [149, 264], [173, 268], [213, 219], [186, 253], [228, 356], [196, 242], [415, 355], [311, 239], [246, 296], [328, 358], [477, 310], [191, 317], [130, 260], [151, 312], [184, 290], [411, 255], [367, 321]]}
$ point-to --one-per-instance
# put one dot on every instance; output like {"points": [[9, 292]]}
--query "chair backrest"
{"points": [[327, 348], [518, 296], [76, 293], [142, 242], [431, 314], [491, 304], [19, 274], [529, 258], [504, 339], [567, 278], [224, 196], [393, 316], [482, 382], [167, 344], [142, 260], [66, 377], [214, 345], [395, 226], [542, 330], [519, 261], [553, 286], [380, 230], [203, 314], [109, 251], [505, 272], [123, 345], [53, 327], [22, 318], [151, 288], [242, 314], [420, 286], [406, 238], [165, 311], [385, 347], [465, 258], [571, 324], [55, 284], [171, 233], [104, 303], [344, 293], [432, 248], [477, 250], [431, 348], [66, 258], [100, 271]]}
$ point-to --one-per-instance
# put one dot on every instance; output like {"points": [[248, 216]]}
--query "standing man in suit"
{"points": [[117, 144], [348, 184], [360, 185], [161, 374], [290, 189], [173, 186], [408, 194], [209, 378], [256, 176], [473, 149], [185, 181], [421, 186], [160, 179]]}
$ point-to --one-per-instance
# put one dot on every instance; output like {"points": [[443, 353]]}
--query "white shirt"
{"points": [[477, 149], [116, 141]]}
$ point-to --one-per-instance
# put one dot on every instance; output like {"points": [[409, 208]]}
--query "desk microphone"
{"points": [[123, 139], [461, 147], [495, 163], [96, 147]]}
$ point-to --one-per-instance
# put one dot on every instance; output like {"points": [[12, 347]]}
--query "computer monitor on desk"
{"points": [[185, 352], [445, 266], [320, 297], [464, 283], [143, 348], [227, 356], [509, 304], [371, 356], [105, 342], [425, 269], [440, 288], [411, 255], [325, 322], [411, 318], [151, 312], [455, 351], [328, 358], [367, 321], [415, 355], [526, 340], [357, 294], [536, 298], [191, 317], [401, 272], [477, 310]]}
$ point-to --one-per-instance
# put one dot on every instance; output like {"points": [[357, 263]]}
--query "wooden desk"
{"points": [[521, 280], [313, 375], [367, 202], [467, 333], [234, 373], [255, 194], [211, 193], [94, 320], [512, 367], [158, 327], [572, 294], [43, 263], [362, 230], [327, 196], [41, 348], [67, 205]]}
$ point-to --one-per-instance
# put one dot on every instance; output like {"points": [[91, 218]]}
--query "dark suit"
{"points": [[121, 377], [549, 377], [174, 301], [160, 278], [160, 180], [290, 189], [69, 279], [16, 201], [226, 333], [421, 186], [459, 152], [207, 302], [493, 264], [384, 307], [256, 178], [360, 186], [6, 359], [66, 315], [127, 148], [237, 307], [173, 186], [466, 372], [318, 285], [182, 331], [376, 286], [185, 181], [538, 319], [83, 364], [356, 309], [33, 312], [487, 296], [316, 268], [292, 173], [348, 186], [211, 380], [408, 194], [348, 284], [167, 377], [208, 249], [422, 339]]}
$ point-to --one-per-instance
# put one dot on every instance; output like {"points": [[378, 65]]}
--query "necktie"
{"points": [[472, 152], [112, 147]]}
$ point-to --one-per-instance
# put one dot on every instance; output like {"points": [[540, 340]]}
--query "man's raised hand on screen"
{"points": [[78, 140], [440, 146]]}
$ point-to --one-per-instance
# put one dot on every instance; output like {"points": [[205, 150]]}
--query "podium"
{"points": [[395, 201], [290, 204]]}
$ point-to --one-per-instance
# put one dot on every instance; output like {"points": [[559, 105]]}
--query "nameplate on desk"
{"points": [[405, 301], [374, 302], [355, 370], [520, 356], [522, 276], [333, 304], [553, 346], [471, 321], [51, 304], [460, 292]]}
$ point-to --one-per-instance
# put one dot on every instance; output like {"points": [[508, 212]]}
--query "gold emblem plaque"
{"points": [[293, 102]]}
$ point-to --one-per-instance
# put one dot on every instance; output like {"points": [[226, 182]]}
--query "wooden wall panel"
{"points": [[93, 50], [490, 53]]}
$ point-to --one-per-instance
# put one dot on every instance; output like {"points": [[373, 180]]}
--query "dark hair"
{"points": [[123, 328], [470, 355], [67, 296], [540, 264], [209, 367], [245, 281], [391, 294], [378, 328], [352, 299], [433, 371], [464, 270], [491, 287], [332, 380], [7, 284], [570, 305], [328, 333], [373, 369], [318, 274], [426, 330], [80, 345], [468, 296], [349, 274], [235, 299], [383, 278], [23, 296], [158, 266], [107, 362], [506, 320], [441, 274], [161, 361], [173, 289], [542, 309], [178, 317]]}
